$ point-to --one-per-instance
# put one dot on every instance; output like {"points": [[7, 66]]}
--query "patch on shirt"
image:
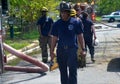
{"points": [[70, 27]]}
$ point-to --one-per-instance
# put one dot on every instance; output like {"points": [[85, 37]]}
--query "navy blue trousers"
{"points": [[89, 43], [67, 60]]}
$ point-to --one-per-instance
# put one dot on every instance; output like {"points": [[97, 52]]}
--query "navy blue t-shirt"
{"points": [[45, 24], [67, 31], [88, 33]]}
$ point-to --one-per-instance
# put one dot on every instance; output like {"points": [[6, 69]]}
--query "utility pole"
{"points": [[1, 48], [3, 13]]}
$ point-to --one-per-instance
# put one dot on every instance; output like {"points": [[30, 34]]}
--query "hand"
{"points": [[83, 53], [95, 37], [52, 54]]}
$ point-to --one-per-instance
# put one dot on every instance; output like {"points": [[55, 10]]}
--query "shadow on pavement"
{"points": [[27, 79], [114, 65]]}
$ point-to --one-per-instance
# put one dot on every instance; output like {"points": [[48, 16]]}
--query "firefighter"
{"points": [[44, 27], [78, 9], [89, 34], [65, 32], [81, 58]]}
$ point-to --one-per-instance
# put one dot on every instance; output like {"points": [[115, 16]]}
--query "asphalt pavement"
{"points": [[97, 73], [106, 69]]}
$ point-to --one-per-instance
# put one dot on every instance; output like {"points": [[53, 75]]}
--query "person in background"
{"points": [[65, 32], [76, 12], [89, 34], [44, 27], [78, 9]]}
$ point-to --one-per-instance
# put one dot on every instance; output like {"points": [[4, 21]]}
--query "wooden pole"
{"points": [[1, 46]]}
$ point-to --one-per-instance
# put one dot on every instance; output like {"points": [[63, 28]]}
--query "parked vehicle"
{"points": [[114, 16]]}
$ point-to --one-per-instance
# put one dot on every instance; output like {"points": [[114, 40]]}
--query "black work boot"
{"points": [[44, 60], [93, 60]]}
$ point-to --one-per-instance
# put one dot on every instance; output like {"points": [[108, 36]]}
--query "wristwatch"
{"points": [[83, 49]]}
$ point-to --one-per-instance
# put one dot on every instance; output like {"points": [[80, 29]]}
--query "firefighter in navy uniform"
{"points": [[89, 34], [65, 32], [76, 12], [81, 59], [44, 27]]}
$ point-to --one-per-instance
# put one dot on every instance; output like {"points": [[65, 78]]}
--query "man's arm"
{"points": [[39, 30], [82, 43], [94, 33], [53, 44], [50, 28]]}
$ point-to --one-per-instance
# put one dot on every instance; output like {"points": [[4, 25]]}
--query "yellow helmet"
{"points": [[73, 12], [44, 9]]}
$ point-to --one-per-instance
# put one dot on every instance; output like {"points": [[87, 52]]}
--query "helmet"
{"points": [[72, 12], [44, 9], [89, 10], [77, 6], [84, 15], [65, 6], [96, 42]]}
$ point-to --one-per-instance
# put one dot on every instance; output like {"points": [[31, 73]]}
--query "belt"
{"points": [[66, 47]]}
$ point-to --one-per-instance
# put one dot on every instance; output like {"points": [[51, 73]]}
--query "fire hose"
{"points": [[42, 67]]}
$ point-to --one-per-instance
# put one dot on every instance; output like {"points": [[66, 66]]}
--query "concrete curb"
{"points": [[26, 50]]}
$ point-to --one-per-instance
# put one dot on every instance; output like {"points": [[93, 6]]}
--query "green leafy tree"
{"points": [[107, 6], [29, 10], [76, 1]]}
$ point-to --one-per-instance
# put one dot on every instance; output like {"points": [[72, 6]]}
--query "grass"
{"points": [[31, 35], [17, 44], [17, 60], [14, 62], [21, 40], [98, 18]]}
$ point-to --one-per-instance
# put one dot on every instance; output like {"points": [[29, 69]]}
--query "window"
{"points": [[116, 13]]}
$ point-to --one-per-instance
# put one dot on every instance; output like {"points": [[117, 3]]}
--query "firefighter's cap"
{"points": [[73, 12], [65, 6], [44, 9]]}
